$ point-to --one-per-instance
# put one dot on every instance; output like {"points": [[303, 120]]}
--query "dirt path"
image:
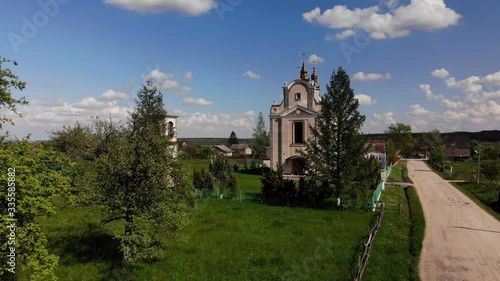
{"points": [[462, 242]]}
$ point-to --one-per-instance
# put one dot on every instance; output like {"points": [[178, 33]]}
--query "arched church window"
{"points": [[297, 96], [170, 129], [298, 132]]}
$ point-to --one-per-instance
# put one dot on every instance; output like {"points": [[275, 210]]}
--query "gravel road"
{"points": [[462, 241]]}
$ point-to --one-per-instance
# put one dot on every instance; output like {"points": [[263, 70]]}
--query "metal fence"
{"points": [[226, 195]]}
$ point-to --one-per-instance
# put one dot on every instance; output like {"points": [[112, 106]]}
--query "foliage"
{"points": [[490, 151], [438, 155], [261, 138], [368, 176], [310, 193], [491, 169], [253, 164], [275, 189], [221, 171], [400, 135], [336, 149], [9, 82], [392, 155], [35, 176], [131, 174], [232, 139]]}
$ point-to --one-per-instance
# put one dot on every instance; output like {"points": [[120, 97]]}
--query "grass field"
{"points": [[225, 241], [396, 249], [232, 240], [459, 171], [396, 174]]}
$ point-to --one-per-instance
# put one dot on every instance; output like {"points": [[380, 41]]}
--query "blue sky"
{"points": [[428, 63]]}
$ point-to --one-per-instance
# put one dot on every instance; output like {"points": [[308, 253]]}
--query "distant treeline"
{"points": [[462, 139], [213, 141]]}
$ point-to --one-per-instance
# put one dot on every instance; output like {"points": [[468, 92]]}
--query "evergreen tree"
{"points": [[232, 139], [261, 138], [336, 150]]}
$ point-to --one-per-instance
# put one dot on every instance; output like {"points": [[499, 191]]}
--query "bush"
{"points": [[311, 194], [276, 190]]}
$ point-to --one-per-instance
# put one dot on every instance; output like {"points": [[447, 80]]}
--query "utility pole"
{"points": [[478, 161]]}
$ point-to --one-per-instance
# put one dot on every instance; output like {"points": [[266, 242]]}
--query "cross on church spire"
{"points": [[303, 70]]}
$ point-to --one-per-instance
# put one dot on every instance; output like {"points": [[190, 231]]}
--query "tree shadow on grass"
{"points": [[94, 245]]}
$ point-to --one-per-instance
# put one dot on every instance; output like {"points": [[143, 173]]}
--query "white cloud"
{"points": [[169, 85], [476, 109], [188, 75], [249, 113], [417, 109], [165, 81], [42, 116], [184, 91], [491, 79], [371, 76], [426, 88], [345, 34], [386, 118], [216, 125], [397, 22], [191, 7], [365, 99], [197, 101], [316, 59], [441, 73], [157, 75], [251, 74], [114, 95]]}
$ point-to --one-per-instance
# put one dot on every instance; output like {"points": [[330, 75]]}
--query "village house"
{"points": [[222, 150], [241, 149]]}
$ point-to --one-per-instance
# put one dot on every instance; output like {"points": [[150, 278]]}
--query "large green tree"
{"points": [[130, 172], [32, 177], [142, 184], [9, 82], [261, 138], [337, 150], [400, 135]]}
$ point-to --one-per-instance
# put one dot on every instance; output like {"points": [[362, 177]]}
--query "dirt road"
{"points": [[462, 242]]}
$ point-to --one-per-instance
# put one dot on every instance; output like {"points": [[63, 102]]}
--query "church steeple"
{"points": [[303, 72], [314, 76]]}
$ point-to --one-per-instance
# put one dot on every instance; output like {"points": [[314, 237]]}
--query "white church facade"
{"points": [[290, 121]]}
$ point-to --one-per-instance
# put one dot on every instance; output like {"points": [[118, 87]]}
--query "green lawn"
{"points": [[396, 249], [459, 171], [225, 240], [396, 174]]}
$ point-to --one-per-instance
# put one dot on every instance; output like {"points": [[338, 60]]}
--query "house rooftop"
{"points": [[239, 146], [222, 148]]}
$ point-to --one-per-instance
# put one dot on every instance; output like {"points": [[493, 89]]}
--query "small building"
{"points": [[377, 149], [222, 150], [457, 154], [241, 149]]}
